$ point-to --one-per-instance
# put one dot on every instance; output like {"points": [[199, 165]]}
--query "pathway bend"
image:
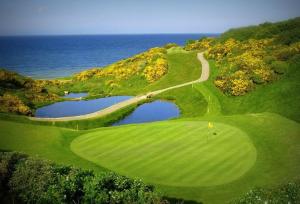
{"points": [[204, 76]]}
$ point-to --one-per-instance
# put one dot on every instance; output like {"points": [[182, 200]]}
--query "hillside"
{"points": [[288, 32], [257, 63]]}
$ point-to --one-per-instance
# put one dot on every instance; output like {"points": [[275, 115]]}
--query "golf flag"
{"points": [[210, 125]]}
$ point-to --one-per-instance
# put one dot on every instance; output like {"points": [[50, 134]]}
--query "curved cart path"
{"points": [[204, 76]]}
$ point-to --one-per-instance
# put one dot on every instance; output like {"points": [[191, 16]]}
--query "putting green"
{"points": [[171, 153]]}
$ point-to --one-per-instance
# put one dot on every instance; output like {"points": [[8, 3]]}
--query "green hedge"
{"points": [[26, 179]]}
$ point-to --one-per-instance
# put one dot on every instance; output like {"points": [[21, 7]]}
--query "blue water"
{"points": [[149, 112], [73, 108], [58, 56], [75, 95]]}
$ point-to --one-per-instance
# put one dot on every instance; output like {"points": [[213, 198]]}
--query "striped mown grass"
{"points": [[174, 153]]}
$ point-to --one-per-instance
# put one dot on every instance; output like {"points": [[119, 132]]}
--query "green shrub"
{"points": [[257, 79], [113, 188], [269, 59], [170, 45], [8, 162], [34, 181], [31, 180], [286, 32], [287, 193], [189, 42], [280, 67]]}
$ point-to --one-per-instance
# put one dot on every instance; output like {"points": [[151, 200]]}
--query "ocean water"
{"points": [[59, 56]]}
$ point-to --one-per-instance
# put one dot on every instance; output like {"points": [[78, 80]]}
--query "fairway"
{"points": [[171, 153]]}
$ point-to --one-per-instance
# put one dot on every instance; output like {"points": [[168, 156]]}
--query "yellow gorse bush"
{"points": [[240, 86], [253, 44], [202, 44], [265, 75], [151, 64], [156, 71], [285, 52], [248, 61], [31, 91], [244, 64], [11, 103], [221, 50]]}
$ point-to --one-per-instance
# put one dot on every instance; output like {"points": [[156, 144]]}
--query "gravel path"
{"points": [[204, 76]]}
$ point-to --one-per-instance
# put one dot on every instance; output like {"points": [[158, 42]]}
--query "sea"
{"points": [[48, 57]]}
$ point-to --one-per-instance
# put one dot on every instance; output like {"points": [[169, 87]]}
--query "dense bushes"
{"points": [[152, 65], [202, 44], [12, 104], [11, 79], [19, 94], [242, 65], [170, 45], [30, 180], [287, 193], [156, 71], [287, 32]]}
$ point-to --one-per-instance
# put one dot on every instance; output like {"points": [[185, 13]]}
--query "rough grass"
{"points": [[52, 143], [171, 153]]}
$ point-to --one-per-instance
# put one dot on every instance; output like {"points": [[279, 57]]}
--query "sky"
{"points": [[68, 17]]}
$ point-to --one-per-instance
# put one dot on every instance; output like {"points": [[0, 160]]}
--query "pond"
{"points": [[75, 95], [74, 108], [149, 112]]}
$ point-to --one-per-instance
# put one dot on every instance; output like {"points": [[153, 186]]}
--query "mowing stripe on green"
{"points": [[188, 154]]}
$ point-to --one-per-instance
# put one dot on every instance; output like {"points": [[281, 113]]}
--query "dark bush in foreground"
{"points": [[30, 180], [287, 193]]}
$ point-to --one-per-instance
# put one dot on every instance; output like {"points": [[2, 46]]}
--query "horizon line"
{"points": [[105, 34]]}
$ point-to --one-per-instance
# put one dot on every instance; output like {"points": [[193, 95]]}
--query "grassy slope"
{"points": [[183, 67]]}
